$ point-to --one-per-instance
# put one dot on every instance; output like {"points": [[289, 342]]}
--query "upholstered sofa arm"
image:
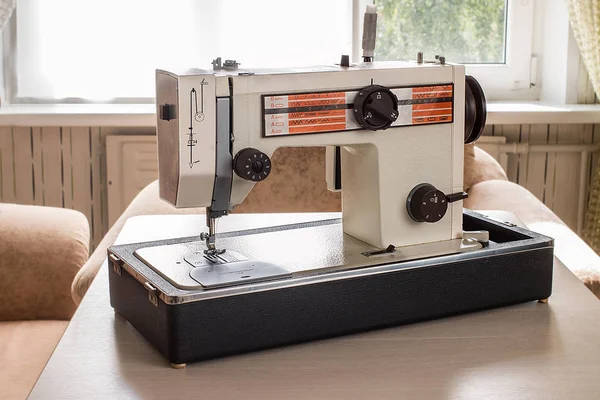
{"points": [[568, 247], [146, 202], [479, 166], [41, 249]]}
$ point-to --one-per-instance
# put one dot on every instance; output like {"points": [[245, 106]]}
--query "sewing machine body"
{"points": [[379, 167], [387, 261]]}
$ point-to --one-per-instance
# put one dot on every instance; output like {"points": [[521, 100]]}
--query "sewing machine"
{"points": [[403, 250]]}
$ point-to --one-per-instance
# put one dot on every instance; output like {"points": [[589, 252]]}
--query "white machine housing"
{"points": [[379, 168]]}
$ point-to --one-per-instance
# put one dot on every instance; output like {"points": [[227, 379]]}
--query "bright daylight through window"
{"points": [[99, 51], [464, 31]]}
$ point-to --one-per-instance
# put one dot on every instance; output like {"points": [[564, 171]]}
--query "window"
{"points": [[74, 51], [464, 31], [492, 37]]}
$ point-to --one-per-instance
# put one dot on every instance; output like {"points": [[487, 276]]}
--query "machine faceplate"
{"points": [[280, 253]]}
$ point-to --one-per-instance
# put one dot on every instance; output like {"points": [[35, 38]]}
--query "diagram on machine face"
{"points": [[197, 115]]}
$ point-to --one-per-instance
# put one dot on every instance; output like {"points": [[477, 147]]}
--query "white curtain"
{"points": [[584, 16], [102, 49], [6, 9]]}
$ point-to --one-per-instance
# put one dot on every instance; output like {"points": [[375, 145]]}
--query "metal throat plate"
{"points": [[279, 253]]}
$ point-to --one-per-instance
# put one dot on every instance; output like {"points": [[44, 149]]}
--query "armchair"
{"points": [[41, 250]]}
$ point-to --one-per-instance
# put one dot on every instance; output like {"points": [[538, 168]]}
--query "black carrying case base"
{"points": [[515, 268]]}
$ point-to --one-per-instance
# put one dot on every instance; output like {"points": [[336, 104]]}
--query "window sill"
{"points": [[109, 115], [534, 112], [143, 115]]}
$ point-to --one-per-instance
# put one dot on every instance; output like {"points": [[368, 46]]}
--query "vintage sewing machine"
{"points": [[404, 249]]}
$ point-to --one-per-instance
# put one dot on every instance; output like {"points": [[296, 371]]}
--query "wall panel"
{"points": [[7, 170], [23, 164]]}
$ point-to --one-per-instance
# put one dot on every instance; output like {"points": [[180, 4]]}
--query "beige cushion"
{"points": [[508, 196], [296, 184], [146, 202], [42, 249], [568, 247], [25, 347], [480, 166]]}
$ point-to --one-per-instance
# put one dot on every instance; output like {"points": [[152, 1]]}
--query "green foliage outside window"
{"points": [[464, 31]]}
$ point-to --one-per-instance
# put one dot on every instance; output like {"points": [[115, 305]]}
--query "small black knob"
{"points": [[257, 167], [345, 61], [252, 164], [167, 112], [425, 203], [375, 107]]}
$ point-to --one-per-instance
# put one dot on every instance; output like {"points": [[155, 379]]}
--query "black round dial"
{"points": [[375, 107], [425, 203], [252, 164]]}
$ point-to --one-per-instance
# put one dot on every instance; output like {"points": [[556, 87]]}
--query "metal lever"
{"points": [[388, 250], [451, 198], [482, 237]]}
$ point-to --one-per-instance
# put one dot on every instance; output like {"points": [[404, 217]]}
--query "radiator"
{"points": [[57, 167], [131, 164]]}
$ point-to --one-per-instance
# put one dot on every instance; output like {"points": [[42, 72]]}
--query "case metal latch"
{"points": [[116, 263], [152, 293]]}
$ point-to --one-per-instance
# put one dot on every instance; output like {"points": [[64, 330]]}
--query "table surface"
{"points": [[527, 351]]}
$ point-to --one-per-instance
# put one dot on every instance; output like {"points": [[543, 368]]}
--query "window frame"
{"points": [[512, 80], [509, 81]]}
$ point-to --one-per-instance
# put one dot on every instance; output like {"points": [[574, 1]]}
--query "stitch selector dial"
{"points": [[375, 107], [252, 164], [425, 203]]}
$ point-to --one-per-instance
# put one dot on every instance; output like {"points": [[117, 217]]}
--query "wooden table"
{"points": [[528, 351]]}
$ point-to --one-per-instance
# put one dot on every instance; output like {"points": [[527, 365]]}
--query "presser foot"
{"points": [[211, 250], [214, 252]]}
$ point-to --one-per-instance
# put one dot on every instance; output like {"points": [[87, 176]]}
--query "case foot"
{"points": [[543, 301], [178, 366]]}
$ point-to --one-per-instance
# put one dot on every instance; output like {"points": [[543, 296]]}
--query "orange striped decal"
{"points": [[318, 102], [310, 96], [317, 128], [431, 106], [427, 113], [438, 88], [317, 121], [431, 120], [300, 113], [312, 114], [431, 95]]}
